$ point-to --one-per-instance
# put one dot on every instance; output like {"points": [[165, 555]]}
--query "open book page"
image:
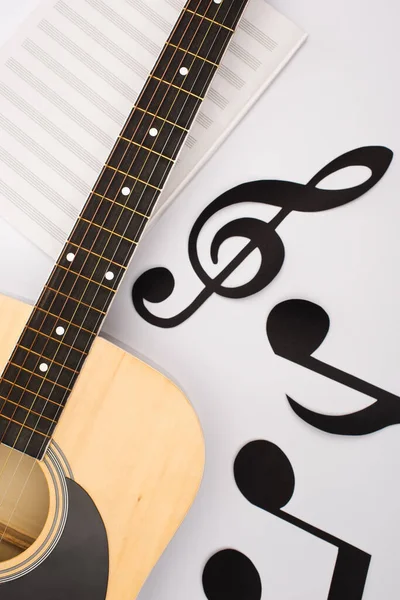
{"points": [[68, 81]]}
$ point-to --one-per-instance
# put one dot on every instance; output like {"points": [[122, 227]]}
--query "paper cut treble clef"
{"points": [[156, 285]]}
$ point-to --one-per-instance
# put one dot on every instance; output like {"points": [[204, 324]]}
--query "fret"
{"points": [[94, 267], [27, 396], [110, 247], [107, 230], [132, 177], [80, 276], [141, 198], [143, 165], [125, 206], [123, 221], [54, 361], [31, 428], [227, 12], [55, 376], [169, 103], [77, 248], [30, 361], [121, 137], [32, 422], [203, 37], [35, 383], [177, 87], [168, 137], [199, 72], [49, 337], [70, 310], [185, 52], [147, 112], [83, 291], [35, 422], [19, 412], [23, 414], [75, 333], [52, 348], [193, 54], [23, 439], [28, 427], [78, 302], [210, 20]]}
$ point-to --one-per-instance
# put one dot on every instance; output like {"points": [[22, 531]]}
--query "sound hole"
{"points": [[24, 502]]}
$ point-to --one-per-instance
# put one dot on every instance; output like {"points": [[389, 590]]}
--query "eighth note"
{"points": [[296, 329], [265, 477]]}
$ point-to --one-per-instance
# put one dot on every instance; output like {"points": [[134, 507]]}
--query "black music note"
{"points": [[265, 477], [295, 329], [156, 285], [230, 575]]}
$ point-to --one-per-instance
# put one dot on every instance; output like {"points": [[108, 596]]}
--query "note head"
{"points": [[154, 285], [230, 575], [296, 328], [264, 475]]}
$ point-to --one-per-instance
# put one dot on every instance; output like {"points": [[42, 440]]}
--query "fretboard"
{"points": [[51, 351]]}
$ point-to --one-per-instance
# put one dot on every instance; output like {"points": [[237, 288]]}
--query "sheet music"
{"points": [[68, 81]]}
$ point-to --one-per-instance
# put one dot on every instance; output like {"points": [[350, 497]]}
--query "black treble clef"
{"points": [[157, 284]]}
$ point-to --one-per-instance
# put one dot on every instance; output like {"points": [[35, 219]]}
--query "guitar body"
{"points": [[121, 472]]}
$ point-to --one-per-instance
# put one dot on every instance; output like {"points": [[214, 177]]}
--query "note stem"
{"points": [[347, 379]]}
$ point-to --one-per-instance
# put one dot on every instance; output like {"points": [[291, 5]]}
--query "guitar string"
{"points": [[77, 280], [205, 86], [116, 251], [33, 393], [207, 83], [99, 233], [138, 202], [59, 374], [92, 280], [193, 111]]}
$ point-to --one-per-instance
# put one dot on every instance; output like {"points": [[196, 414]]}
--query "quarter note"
{"points": [[295, 329]]}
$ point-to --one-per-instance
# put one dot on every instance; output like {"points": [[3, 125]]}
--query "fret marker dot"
{"points": [[70, 256], [183, 70], [109, 275], [153, 132], [126, 191], [60, 330], [217, 1], [43, 367]]}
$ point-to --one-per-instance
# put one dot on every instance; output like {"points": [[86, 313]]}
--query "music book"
{"points": [[68, 80]]}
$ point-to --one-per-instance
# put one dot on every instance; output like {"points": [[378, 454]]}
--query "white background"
{"points": [[340, 92]]}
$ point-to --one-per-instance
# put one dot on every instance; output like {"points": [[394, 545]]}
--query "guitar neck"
{"points": [[51, 351]]}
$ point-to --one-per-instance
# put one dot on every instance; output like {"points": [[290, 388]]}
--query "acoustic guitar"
{"points": [[101, 456]]}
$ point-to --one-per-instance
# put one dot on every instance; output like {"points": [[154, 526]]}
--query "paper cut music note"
{"points": [[295, 329], [156, 285], [265, 477]]}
